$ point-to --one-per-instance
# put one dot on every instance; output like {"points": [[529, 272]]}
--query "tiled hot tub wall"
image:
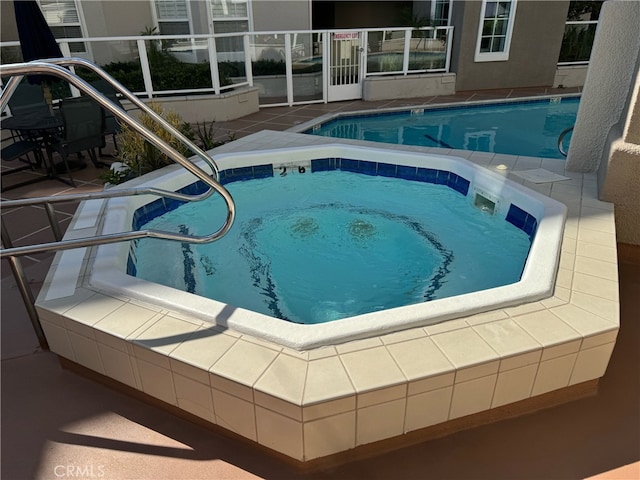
{"points": [[310, 404]]}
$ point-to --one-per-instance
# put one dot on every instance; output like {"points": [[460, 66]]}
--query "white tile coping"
{"points": [[318, 402], [108, 271]]}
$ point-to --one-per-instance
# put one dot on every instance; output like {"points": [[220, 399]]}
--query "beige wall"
{"points": [[105, 18], [117, 17], [610, 78], [281, 15], [535, 46], [606, 138], [8, 29], [611, 116]]}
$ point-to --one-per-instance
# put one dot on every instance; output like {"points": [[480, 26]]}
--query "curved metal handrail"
{"points": [[561, 138], [46, 67]]}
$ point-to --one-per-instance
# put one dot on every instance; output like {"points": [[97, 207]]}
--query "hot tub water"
{"points": [[316, 247]]}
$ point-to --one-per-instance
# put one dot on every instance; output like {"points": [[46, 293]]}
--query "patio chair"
{"points": [[25, 151], [83, 127], [28, 99], [111, 124]]}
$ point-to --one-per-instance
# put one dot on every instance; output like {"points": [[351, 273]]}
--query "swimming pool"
{"points": [[532, 213], [524, 127]]}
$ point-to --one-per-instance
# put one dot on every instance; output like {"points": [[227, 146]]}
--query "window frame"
{"points": [[502, 55], [581, 23], [212, 20], [434, 12], [80, 24], [157, 21]]}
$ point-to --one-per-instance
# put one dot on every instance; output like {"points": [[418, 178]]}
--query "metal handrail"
{"points": [[53, 67], [561, 138]]}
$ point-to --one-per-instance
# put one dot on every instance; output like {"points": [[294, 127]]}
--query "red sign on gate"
{"points": [[345, 36]]}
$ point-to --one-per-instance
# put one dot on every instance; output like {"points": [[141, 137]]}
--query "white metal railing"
{"points": [[220, 62]]}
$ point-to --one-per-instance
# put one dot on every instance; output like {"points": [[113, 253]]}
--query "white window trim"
{"points": [[495, 56], [248, 18], [433, 12], [83, 29], [156, 20]]}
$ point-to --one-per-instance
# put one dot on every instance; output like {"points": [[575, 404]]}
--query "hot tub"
{"points": [[537, 216], [396, 376]]}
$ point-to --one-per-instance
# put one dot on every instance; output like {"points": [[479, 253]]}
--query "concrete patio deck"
{"points": [[57, 424]]}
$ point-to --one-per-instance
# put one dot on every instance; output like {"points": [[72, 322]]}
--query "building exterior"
{"points": [[506, 44], [489, 45]]}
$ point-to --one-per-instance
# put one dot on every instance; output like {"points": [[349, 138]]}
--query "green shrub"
{"points": [[136, 155], [204, 135], [167, 73]]}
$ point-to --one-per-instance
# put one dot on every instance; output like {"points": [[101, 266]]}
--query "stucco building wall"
{"points": [[606, 137], [535, 46], [610, 78], [291, 15]]}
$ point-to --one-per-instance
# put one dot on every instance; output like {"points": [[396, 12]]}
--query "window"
{"points": [[172, 17], [63, 17], [494, 32], [579, 32], [230, 16], [441, 12]]}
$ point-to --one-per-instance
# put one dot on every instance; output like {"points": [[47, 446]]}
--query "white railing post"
{"points": [[146, 71], [247, 59], [447, 55], [407, 50], [326, 38], [213, 65], [365, 57], [288, 67]]}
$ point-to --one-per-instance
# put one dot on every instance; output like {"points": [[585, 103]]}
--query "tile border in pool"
{"points": [[516, 215], [311, 404], [161, 206]]}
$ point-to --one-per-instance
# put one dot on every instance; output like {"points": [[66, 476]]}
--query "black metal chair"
{"points": [[25, 151], [83, 127], [111, 124], [28, 99]]}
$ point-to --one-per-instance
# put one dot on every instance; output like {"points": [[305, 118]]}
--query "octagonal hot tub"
{"points": [[309, 391], [485, 210]]}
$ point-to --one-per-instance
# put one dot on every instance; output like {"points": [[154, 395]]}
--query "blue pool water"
{"points": [[321, 246], [528, 128]]}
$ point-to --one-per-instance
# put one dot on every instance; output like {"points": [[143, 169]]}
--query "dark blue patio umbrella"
{"points": [[36, 40]]}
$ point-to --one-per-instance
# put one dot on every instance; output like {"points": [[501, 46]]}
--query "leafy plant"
{"points": [[206, 136], [136, 155]]}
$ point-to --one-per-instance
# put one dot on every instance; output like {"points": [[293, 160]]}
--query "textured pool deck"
{"points": [[589, 241]]}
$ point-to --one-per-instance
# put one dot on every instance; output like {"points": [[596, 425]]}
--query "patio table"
{"points": [[41, 126]]}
